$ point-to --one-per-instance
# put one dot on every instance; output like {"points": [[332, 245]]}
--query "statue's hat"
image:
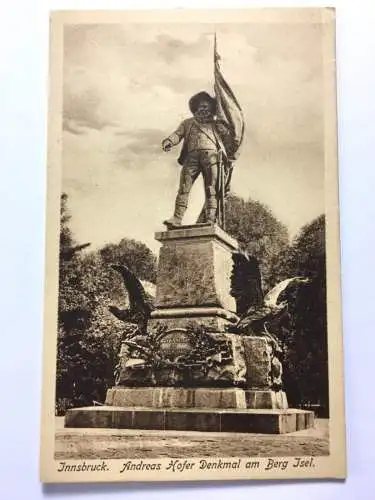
{"points": [[201, 96]]}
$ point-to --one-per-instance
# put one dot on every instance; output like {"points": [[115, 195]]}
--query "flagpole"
{"points": [[221, 179], [214, 58]]}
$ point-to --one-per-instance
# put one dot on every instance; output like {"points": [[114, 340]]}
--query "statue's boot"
{"points": [[211, 216], [172, 222], [211, 205], [211, 213], [202, 216], [179, 211]]}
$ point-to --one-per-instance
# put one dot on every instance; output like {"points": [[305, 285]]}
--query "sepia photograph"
{"points": [[192, 288]]}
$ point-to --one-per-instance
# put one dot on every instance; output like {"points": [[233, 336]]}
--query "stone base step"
{"points": [[191, 419], [201, 397]]}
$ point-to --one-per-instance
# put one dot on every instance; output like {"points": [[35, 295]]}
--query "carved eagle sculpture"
{"points": [[254, 309], [256, 318], [141, 303]]}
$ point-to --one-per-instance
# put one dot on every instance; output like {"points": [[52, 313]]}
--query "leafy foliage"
{"points": [[257, 231], [133, 254], [89, 335], [306, 351], [304, 333]]}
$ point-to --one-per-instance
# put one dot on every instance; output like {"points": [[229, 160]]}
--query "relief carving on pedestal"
{"points": [[185, 357]]}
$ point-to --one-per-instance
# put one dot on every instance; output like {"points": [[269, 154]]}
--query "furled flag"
{"points": [[229, 112], [230, 126]]}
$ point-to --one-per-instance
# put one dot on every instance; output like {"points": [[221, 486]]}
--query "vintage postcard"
{"points": [[192, 290]]}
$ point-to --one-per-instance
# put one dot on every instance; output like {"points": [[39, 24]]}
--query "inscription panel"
{"points": [[174, 344]]}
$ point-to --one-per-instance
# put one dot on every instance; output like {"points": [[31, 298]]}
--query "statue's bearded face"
{"points": [[204, 111]]}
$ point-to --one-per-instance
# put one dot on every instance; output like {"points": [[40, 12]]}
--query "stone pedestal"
{"points": [[200, 397], [191, 419], [193, 279], [176, 397], [268, 399], [188, 372]]}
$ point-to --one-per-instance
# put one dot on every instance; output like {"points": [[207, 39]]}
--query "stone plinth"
{"points": [[266, 399], [176, 397], [214, 318], [203, 420], [258, 358], [200, 397], [193, 279]]}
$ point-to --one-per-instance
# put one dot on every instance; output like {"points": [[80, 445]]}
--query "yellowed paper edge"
{"points": [[332, 466]]}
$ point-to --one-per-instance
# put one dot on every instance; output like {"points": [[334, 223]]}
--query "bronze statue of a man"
{"points": [[202, 153]]}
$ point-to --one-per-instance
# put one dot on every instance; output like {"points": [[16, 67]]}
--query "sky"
{"points": [[126, 87]]}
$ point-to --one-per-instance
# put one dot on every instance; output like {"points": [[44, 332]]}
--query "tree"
{"points": [[259, 232], [134, 254], [88, 334], [306, 350], [71, 306], [73, 315]]}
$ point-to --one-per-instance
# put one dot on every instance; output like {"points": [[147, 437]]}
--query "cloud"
{"points": [[146, 141], [172, 48], [115, 76], [82, 110]]}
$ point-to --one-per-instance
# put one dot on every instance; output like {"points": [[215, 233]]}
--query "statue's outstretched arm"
{"points": [[174, 138]]}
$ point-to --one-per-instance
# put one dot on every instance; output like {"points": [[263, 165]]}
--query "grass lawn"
{"points": [[135, 444]]}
